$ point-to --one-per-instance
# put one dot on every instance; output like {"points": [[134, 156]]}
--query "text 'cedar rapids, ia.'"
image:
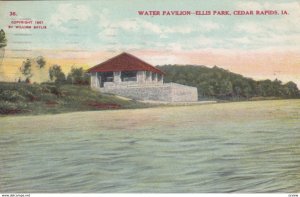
{"points": [[210, 12]]}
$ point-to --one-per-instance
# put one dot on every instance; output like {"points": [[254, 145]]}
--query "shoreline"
{"points": [[150, 105], [177, 103], [18, 99]]}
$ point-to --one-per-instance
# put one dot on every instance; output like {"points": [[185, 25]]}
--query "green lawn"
{"points": [[21, 98]]}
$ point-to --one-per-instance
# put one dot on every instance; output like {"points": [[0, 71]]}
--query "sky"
{"points": [[85, 33]]}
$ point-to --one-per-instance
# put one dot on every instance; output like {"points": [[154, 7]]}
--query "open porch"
{"points": [[103, 79]]}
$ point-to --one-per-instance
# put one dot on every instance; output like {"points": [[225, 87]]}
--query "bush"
{"points": [[47, 97], [45, 89], [51, 88], [35, 89], [11, 108], [8, 86], [78, 76], [11, 95], [55, 90]]}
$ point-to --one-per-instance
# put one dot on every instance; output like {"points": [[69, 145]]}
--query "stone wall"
{"points": [[170, 92], [182, 93]]}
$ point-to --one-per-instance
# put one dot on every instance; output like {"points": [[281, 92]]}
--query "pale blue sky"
{"points": [[255, 46], [115, 24]]}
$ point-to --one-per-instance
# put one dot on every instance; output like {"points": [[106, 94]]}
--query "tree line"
{"points": [[76, 76], [56, 75], [222, 84]]}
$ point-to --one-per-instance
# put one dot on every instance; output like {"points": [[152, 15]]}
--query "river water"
{"points": [[228, 147]]}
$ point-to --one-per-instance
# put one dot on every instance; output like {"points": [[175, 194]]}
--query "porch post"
{"points": [[155, 78], [140, 76], [117, 77], [97, 80]]}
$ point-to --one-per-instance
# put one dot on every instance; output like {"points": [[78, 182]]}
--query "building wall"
{"points": [[170, 92]]}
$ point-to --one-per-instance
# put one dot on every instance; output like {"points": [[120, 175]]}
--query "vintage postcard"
{"points": [[139, 96]]}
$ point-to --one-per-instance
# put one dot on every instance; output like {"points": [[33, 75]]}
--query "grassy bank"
{"points": [[33, 99], [22, 98]]}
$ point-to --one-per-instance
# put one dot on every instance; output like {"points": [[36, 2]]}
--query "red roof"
{"points": [[124, 62]]}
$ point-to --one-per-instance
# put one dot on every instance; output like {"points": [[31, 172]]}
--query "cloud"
{"points": [[292, 7], [250, 27], [250, 5], [242, 40], [110, 26], [115, 34], [270, 35], [281, 41], [282, 24], [68, 12], [245, 33], [139, 24], [208, 26], [277, 32]]}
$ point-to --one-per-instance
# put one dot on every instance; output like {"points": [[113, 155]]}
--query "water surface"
{"points": [[233, 147]]}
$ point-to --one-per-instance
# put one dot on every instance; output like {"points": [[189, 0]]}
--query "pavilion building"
{"points": [[129, 76]]}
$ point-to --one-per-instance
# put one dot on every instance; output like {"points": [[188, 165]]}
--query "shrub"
{"points": [[47, 97], [45, 89], [11, 108], [78, 76], [51, 88], [11, 95], [34, 89]]}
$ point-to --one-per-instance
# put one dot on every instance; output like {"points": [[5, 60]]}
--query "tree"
{"points": [[56, 74], [226, 88], [223, 84], [292, 89], [3, 42], [3, 39], [77, 76], [41, 62], [26, 70]]}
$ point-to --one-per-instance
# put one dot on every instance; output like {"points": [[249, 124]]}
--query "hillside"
{"points": [[217, 83], [16, 98]]}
